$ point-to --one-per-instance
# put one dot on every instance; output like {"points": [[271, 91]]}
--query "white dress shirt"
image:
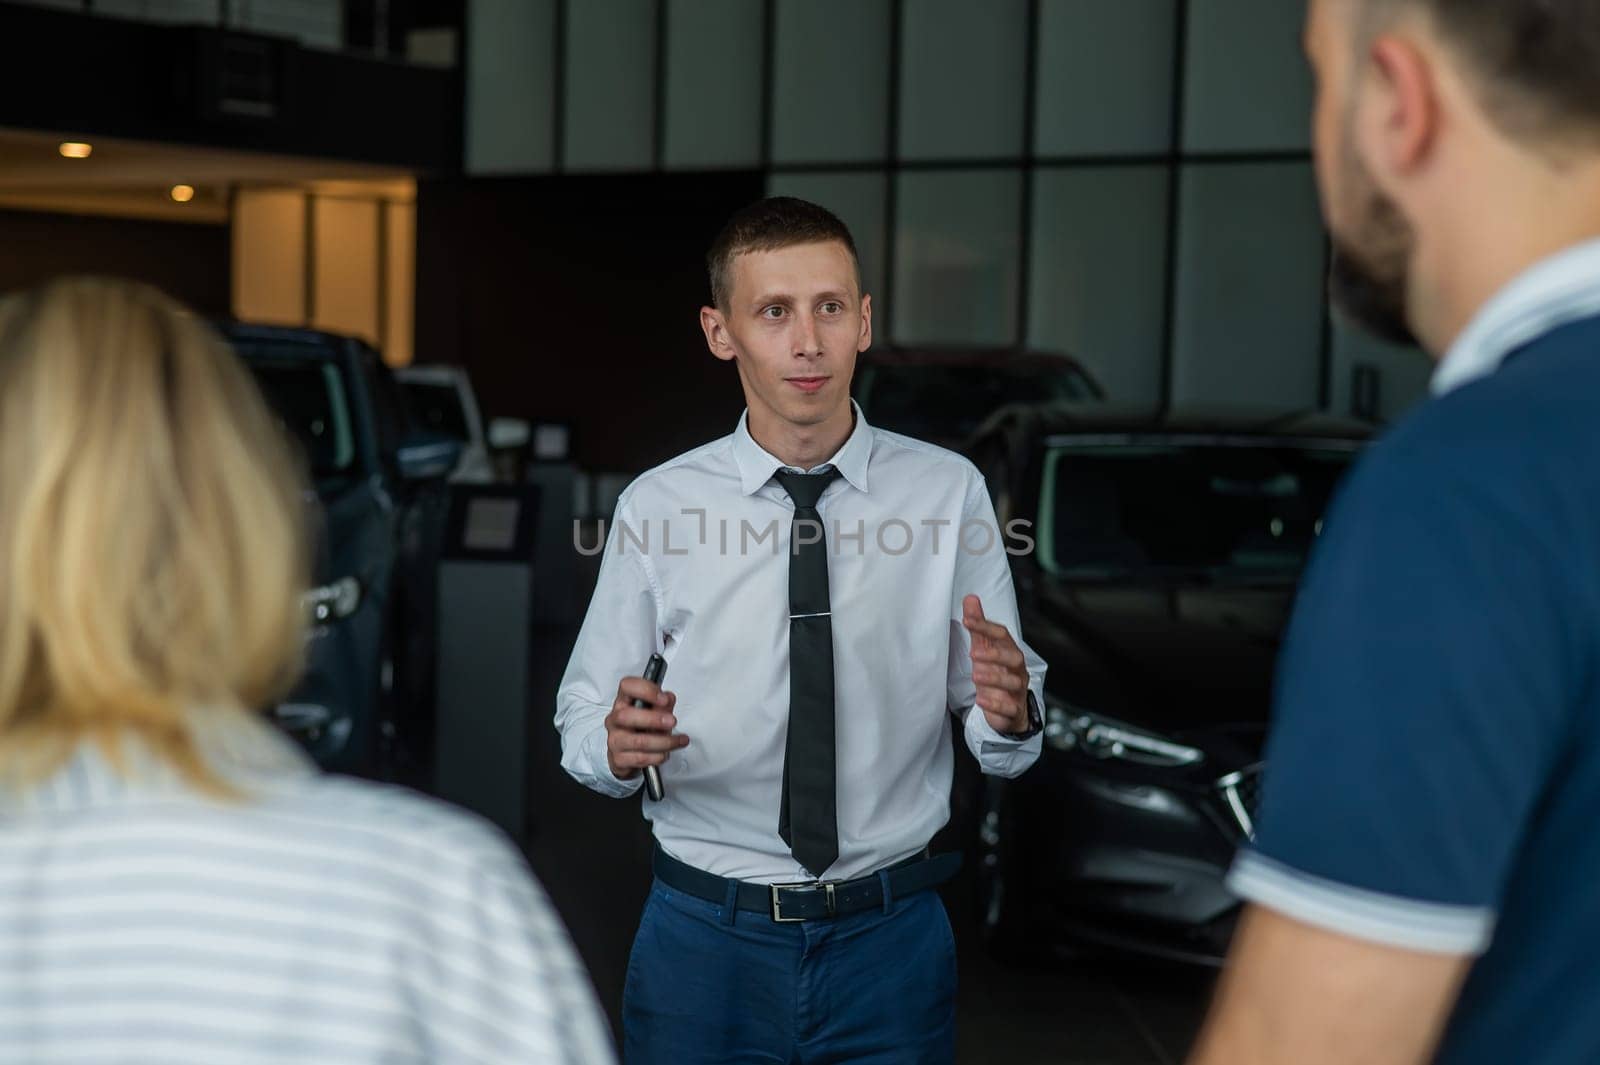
{"points": [[696, 567], [1556, 291]]}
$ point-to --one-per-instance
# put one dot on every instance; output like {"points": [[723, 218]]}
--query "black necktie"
{"points": [[808, 820]]}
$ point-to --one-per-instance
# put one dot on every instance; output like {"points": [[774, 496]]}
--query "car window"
{"points": [[952, 401], [311, 399], [437, 408], [388, 404], [1109, 510]]}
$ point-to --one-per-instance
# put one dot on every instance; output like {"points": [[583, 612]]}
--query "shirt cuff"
{"points": [[988, 733], [600, 777], [999, 754], [1392, 920]]}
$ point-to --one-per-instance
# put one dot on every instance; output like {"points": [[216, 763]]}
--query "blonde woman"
{"points": [[177, 882]]}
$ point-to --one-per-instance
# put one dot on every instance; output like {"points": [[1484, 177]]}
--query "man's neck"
{"points": [[803, 447], [1465, 269]]}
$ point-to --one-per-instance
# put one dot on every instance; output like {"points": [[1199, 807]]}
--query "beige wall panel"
{"points": [[269, 256], [345, 269], [400, 282]]}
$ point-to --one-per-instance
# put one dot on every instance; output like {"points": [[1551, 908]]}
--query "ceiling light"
{"points": [[76, 150], [183, 193]]}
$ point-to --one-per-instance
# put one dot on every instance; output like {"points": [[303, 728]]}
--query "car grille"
{"points": [[1241, 793]]}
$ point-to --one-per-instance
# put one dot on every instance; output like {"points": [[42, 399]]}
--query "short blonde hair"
{"points": [[153, 553]]}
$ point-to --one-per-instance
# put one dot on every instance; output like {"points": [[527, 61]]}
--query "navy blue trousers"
{"points": [[874, 987]]}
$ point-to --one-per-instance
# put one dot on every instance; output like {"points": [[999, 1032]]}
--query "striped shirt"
{"points": [[323, 919]]}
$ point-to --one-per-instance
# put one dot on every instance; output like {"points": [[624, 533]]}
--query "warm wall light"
{"points": [[183, 193], [76, 150]]}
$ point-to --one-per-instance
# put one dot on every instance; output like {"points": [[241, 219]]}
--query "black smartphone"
{"points": [[654, 670]]}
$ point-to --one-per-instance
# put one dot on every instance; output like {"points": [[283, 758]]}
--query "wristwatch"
{"points": [[1035, 721]]}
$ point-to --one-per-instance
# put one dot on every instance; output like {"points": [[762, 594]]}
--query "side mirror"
{"points": [[428, 457], [509, 434]]}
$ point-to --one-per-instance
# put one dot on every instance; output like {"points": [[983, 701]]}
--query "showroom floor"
{"points": [[1081, 1012]]}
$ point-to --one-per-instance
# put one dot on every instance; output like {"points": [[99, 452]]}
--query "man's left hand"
{"points": [[998, 670]]}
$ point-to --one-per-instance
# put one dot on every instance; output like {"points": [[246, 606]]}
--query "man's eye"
{"points": [[832, 307], [772, 313]]}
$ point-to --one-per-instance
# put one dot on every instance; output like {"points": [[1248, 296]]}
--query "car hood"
{"points": [[1176, 655]]}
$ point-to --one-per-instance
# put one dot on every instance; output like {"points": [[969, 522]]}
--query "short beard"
{"points": [[1368, 278]]}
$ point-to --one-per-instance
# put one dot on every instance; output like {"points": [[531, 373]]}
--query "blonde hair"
{"points": [[152, 545]]}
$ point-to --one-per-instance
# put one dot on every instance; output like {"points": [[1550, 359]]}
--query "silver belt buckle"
{"points": [[777, 899]]}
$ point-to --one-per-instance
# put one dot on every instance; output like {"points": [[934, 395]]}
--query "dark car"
{"points": [[942, 395], [1164, 565], [364, 704]]}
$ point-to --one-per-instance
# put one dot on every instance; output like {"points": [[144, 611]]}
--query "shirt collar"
{"points": [[1553, 292], [239, 747], [757, 465]]}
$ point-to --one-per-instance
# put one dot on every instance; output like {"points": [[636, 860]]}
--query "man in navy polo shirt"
{"points": [[1425, 884]]}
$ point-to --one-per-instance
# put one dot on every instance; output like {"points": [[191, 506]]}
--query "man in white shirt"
{"points": [[827, 596]]}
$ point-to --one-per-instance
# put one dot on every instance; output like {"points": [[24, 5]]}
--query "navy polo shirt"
{"points": [[1433, 774]]}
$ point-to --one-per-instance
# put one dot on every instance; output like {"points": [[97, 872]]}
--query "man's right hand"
{"points": [[640, 736]]}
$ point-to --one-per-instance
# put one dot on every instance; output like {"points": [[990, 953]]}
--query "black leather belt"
{"points": [[809, 900]]}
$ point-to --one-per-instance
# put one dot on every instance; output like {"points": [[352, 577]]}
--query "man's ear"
{"points": [[864, 341], [716, 331], [1397, 123]]}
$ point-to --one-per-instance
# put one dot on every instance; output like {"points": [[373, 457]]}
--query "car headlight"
{"points": [[1071, 729], [331, 602]]}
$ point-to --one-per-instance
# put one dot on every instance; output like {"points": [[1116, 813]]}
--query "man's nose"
{"points": [[808, 343]]}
